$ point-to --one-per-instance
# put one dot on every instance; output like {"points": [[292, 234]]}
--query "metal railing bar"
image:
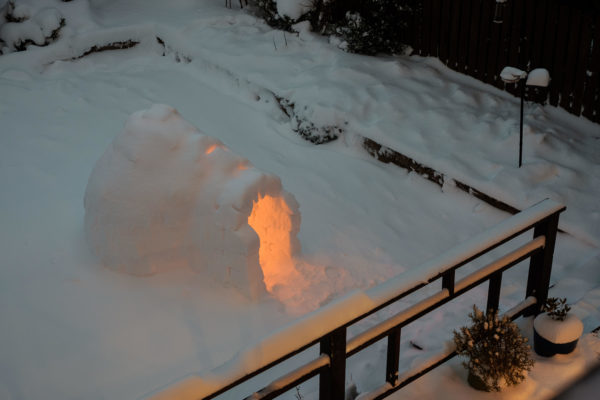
{"points": [[362, 341], [543, 216], [486, 241], [380, 330], [484, 273], [291, 379], [520, 308], [549, 205], [259, 371]]}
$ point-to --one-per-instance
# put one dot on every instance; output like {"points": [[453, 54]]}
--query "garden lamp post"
{"points": [[538, 77]]}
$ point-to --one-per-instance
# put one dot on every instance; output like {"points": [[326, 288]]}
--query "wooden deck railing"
{"points": [[328, 326]]}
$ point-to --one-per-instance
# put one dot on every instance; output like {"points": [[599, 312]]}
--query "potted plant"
{"points": [[555, 331], [497, 352]]}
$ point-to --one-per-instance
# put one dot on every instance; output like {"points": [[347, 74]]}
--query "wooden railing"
{"points": [[327, 326]]}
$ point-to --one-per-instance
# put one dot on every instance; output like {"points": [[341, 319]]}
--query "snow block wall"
{"points": [[164, 195]]}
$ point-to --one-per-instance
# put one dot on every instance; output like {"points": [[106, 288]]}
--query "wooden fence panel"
{"points": [[538, 35], [418, 43], [484, 40], [455, 22], [583, 61], [591, 98], [471, 63], [560, 54], [505, 36], [566, 98], [436, 13], [445, 30], [493, 67], [550, 35], [426, 28], [559, 35], [463, 36]]}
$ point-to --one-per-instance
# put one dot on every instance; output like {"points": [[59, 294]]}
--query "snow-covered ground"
{"points": [[72, 329]]}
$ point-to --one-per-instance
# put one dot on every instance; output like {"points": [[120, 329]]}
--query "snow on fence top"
{"points": [[164, 195], [315, 325]]}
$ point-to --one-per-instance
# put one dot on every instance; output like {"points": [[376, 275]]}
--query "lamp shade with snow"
{"points": [[164, 195], [539, 77]]}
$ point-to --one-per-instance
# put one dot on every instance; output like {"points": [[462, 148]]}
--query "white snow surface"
{"points": [[293, 9], [559, 332], [73, 329]]}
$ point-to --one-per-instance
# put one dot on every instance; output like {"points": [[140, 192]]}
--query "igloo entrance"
{"points": [[164, 195], [271, 219]]}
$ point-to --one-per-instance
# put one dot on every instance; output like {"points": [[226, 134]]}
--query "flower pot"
{"points": [[477, 383], [552, 337]]}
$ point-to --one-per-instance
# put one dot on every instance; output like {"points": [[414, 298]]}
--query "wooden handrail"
{"points": [[327, 326]]}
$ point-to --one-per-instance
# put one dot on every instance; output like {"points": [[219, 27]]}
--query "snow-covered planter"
{"points": [[555, 331], [498, 354], [164, 196]]}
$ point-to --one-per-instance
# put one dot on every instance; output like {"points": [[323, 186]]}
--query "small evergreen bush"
{"points": [[496, 350], [376, 27], [556, 308]]}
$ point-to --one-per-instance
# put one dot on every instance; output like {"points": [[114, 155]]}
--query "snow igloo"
{"points": [[164, 195]]}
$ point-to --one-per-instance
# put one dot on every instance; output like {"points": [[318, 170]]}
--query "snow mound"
{"points": [[164, 195], [293, 9], [40, 30]]}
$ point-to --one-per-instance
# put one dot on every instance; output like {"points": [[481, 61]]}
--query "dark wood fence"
{"points": [[562, 36], [335, 348]]}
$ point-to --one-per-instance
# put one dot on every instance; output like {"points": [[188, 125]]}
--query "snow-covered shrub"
{"points": [[24, 27], [556, 308], [367, 26], [282, 17], [376, 27], [305, 127], [17, 12], [316, 134], [497, 351]]}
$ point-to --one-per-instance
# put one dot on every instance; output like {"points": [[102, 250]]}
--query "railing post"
{"points": [[448, 281], [493, 298], [332, 380], [540, 266], [393, 357]]}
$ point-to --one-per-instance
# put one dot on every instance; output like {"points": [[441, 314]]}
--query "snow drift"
{"points": [[164, 195]]}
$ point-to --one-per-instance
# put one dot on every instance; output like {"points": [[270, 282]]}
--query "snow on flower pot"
{"points": [[555, 331], [164, 195], [552, 337]]}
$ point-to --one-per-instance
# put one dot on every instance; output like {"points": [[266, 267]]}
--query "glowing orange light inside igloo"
{"points": [[271, 219]]}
